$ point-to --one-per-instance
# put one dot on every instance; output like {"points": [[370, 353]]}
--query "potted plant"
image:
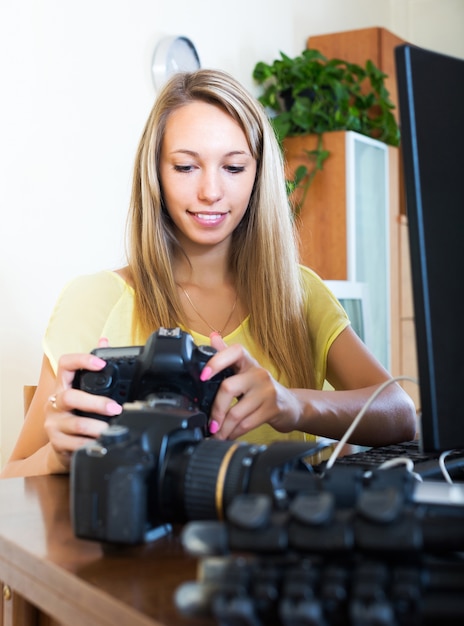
{"points": [[311, 94]]}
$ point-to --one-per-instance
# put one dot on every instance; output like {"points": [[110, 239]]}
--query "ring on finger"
{"points": [[52, 400]]}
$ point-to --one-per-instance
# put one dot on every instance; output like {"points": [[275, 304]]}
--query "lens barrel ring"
{"points": [[216, 472]]}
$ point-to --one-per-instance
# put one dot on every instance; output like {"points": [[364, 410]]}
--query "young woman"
{"points": [[211, 249]]}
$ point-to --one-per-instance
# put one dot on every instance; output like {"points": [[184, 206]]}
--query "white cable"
{"points": [[444, 471], [333, 457], [402, 460], [399, 460]]}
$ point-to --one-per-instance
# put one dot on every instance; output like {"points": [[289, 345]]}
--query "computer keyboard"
{"points": [[426, 464]]}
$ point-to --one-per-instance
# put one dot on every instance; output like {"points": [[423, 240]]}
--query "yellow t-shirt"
{"points": [[101, 305]]}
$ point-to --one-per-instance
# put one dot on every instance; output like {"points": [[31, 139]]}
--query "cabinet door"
{"points": [[368, 242], [345, 219]]}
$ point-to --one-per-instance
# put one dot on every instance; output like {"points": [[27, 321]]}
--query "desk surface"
{"points": [[75, 581]]}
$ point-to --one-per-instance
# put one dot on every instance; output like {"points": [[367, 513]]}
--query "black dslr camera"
{"points": [[170, 362], [154, 465], [115, 479]]}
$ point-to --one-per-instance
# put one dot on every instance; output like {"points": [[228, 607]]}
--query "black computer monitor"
{"points": [[431, 107]]}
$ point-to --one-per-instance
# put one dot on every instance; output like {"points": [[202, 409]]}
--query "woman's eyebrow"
{"points": [[196, 154]]}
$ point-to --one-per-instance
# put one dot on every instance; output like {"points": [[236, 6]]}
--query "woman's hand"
{"points": [[250, 397], [353, 372], [66, 430]]}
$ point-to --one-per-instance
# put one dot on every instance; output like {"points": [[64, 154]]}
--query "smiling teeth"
{"points": [[209, 216]]}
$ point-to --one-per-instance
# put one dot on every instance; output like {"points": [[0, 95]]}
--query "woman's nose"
{"points": [[210, 189]]}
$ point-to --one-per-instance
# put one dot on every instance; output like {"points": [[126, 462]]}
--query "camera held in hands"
{"points": [[115, 480], [169, 362], [154, 465]]}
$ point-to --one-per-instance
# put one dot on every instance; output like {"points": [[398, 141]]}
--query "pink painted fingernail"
{"points": [[206, 373], [113, 408], [213, 427], [97, 362]]}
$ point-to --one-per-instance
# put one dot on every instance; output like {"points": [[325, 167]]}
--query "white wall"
{"points": [[76, 90]]}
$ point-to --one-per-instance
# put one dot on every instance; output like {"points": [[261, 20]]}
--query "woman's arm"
{"points": [[50, 432], [352, 370]]}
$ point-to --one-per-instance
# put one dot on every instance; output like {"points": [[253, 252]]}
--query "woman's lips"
{"points": [[208, 219]]}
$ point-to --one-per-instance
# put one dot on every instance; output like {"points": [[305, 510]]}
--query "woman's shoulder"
{"points": [[92, 296], [319, 298], [89, 306], [312, 282], [308, 275], [106, 281]]}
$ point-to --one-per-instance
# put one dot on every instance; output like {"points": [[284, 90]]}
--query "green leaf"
{"points": [[324, 95]]}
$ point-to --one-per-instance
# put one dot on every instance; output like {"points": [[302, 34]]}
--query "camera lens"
{"points": [[202, 480]]}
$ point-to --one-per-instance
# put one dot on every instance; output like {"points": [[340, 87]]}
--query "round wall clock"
{"points": [[171, 55]]}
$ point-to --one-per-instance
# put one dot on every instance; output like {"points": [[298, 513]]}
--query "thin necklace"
{"points": [[215, 330]]}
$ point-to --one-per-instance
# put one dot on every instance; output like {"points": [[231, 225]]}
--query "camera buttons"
{"points": [[114, 434]]}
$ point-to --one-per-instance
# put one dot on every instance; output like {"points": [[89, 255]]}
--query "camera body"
{"points": [[118, 481], [118, 484], [170, 362], [155, 465]]}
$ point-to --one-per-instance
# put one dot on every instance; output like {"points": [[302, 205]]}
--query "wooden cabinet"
{"points": [[322, 216], [344, 223], [407, 338], [324, 224], [357, 46]]}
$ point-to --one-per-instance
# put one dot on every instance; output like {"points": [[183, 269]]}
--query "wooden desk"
{"points": [[49, 576]]}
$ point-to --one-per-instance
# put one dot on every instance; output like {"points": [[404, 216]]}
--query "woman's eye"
{"points": [[183, 168], [235, 169]]}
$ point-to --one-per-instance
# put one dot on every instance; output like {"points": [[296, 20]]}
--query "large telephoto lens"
{"points": [[199, 480]]}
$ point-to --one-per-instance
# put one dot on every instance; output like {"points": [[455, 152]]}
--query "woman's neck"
{"points": [[208, 293], [209, 269]]}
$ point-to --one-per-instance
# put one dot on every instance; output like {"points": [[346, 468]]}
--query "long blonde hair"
{"points": [[264, 258]]}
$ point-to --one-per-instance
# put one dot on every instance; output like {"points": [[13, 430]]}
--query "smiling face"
{"points": [[207, 174]]}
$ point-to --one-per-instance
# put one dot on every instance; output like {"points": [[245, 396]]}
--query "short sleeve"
{"points": [[88, 308], [326, 320]]}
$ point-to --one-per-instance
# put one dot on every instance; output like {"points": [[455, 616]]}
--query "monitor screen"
{"points": [[431, 106]]}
